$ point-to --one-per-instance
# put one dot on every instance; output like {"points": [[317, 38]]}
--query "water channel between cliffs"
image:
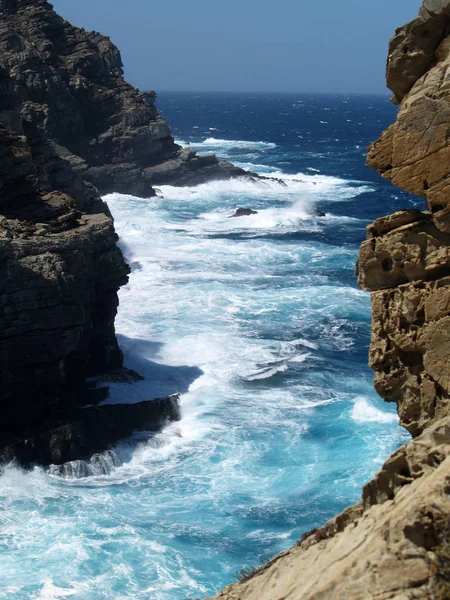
{"points": [[258, 322]]}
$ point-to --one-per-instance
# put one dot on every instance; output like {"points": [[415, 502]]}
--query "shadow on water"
{"points": [[160, 379]]}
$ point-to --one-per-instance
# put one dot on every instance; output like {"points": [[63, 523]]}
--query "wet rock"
{"points": [[244, 212], [87, 431]]}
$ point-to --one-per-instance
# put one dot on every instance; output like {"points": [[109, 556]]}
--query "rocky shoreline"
{"points": [[395, 543], [70, 122], [71, 82], [86, 431]]}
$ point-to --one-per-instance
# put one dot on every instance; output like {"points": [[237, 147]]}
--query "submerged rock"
{"points": [[102, 463], [244, 212]]}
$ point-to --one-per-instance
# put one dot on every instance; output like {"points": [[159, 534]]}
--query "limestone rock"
{"points": [[412, 252], [406, 258], [390, 546], [414, 152]]}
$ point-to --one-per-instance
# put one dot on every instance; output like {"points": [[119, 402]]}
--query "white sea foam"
{"points": [[225, 312], [52, 592], [234, 144], [320, 186], [364, 412]]}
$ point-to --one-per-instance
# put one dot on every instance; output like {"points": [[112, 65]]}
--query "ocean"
{"points": [[258, 322]]}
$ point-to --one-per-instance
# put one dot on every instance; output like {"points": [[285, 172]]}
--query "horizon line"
{"points": [[172, 91]]}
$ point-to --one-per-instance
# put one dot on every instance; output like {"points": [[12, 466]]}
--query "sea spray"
{"points": [[258, 322]]}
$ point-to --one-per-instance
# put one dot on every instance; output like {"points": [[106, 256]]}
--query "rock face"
{"points": [[414, 152], [244, 212], [60, 273], [406, 259], [70, 122], [60, 267], [72, 80], [394, 544], [86, 431], [60, 270]]}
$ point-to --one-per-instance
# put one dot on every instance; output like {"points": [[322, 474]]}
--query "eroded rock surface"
{"points": [[414, 152], [72, 80], [395, 543], [389, 546], [70, 122]]}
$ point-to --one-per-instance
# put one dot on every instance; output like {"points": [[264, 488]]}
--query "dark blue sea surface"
{"points": [[259, 323]]}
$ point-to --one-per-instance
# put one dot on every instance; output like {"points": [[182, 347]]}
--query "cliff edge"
{"points": [[395, 543], [110, 132], [60, 266]]}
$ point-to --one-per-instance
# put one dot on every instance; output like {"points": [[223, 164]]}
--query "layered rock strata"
{"points": [[60, 270], [395, 543], [60, 266], [86, 431], [111, 133], [69, 124], [60, 273]]}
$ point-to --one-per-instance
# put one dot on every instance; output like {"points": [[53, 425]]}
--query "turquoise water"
{"points": [[258, 322]]}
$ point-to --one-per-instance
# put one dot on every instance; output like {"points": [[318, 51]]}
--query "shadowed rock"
{"points": [[86, 431]]}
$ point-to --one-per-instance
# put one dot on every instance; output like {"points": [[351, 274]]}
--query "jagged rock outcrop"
{"points": [[395, 543], [59, 277], [110, 132], [406, 259], [60, 271], [70, 122], [414, 152], [86, 431]]}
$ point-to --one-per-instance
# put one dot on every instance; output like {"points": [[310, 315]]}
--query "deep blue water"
{"points": [[258, 321]]}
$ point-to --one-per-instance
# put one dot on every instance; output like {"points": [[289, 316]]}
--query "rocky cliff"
{"points": [[395, 543], [60, 267], [110, 132], [60, 270]]}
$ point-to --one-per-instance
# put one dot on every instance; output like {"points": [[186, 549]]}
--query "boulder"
{"points": [[243, 212]]}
